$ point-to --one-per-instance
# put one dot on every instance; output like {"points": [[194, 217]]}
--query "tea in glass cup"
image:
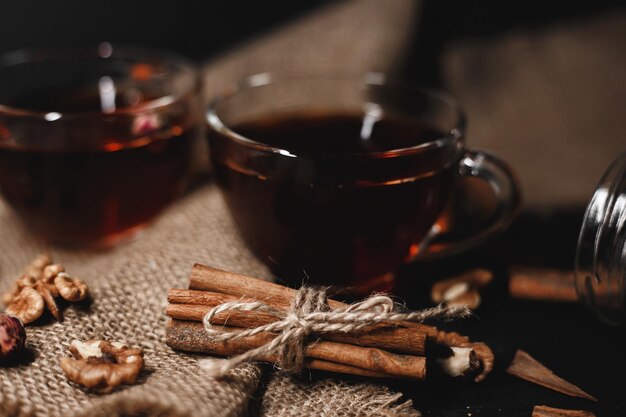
{"points": [[340, 180], [94, 143]]}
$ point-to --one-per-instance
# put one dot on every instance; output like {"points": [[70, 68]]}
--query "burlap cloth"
{"points": [[129, 286], [534, 98]]}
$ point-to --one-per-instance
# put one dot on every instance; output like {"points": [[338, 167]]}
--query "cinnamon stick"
{"points": [[542, 284], [191, 312], [182, 337], [545, 411], [193, 305], [206, 278], [191, 337]]}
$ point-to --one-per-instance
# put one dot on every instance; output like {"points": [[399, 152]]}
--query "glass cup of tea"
{"points": [[95, 143], [339, 180]]}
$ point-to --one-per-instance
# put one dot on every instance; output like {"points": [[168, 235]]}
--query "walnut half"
{"points": [[462, 289], [101, 366], [27, 305], [72, 289], [39, 287]]}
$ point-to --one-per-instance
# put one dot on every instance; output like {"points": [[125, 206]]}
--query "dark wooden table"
{"points": [[567, 338], [543, 87]]}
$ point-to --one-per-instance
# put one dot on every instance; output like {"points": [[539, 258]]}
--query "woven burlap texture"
{"points": [[129, 286]]}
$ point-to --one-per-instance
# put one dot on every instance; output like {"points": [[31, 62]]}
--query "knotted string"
{"points": [[309, 314]]}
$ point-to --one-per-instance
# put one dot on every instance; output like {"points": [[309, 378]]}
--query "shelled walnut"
{"points": [[25, 280], [462, 289], [37, 288], [71, 289], [48, 276], [101, 366], [27, 305]]}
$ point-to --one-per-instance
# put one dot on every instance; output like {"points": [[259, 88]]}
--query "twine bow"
{"points": [[309, 314]]}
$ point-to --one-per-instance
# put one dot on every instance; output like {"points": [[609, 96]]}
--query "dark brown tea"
{"points": [[329, 204], [96, 179]]}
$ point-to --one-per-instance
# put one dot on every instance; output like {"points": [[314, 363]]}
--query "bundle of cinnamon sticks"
{"points": [[380, 350]]}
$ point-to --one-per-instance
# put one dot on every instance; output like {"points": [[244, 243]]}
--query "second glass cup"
{"points": [[95, 143], [341, 180]]}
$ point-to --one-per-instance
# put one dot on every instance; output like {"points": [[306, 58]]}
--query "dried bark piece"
{"points": [[526, 367], [545, 411], [27, 305], [101, 366]]}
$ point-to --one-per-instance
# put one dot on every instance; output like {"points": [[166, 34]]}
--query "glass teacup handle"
{"points": [[484, 200]]}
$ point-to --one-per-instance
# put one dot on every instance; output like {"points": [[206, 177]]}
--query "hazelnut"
{"points": [[27, 305], [12, 336], [101, 366]]}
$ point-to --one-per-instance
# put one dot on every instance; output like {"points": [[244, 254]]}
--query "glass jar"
{"points": [[601, 253]]}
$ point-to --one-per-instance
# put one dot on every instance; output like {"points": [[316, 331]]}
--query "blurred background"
{"points": [[542, 82], [544, 87]]}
